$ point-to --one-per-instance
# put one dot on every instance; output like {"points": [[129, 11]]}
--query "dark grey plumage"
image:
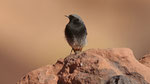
{"points": [[75, 33]]}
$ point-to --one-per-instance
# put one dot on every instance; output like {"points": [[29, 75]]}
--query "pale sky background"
{"points": [[32, 31]]}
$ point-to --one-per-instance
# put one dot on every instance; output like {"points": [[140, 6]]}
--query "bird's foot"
{"points": [[77, 52]]}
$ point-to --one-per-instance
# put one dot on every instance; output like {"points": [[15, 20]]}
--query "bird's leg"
{"points": [[71, 51], [77, 51]]}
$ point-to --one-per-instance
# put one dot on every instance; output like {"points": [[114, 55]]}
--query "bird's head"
{"points": [[75, 19]]}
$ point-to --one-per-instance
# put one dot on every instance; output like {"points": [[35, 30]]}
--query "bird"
{"points": [[76, 33]]}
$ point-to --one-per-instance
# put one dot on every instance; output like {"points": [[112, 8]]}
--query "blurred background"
{"points": [[32, 31]]}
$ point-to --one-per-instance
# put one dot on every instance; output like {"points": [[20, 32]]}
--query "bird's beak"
{"points": [[66, 16]]}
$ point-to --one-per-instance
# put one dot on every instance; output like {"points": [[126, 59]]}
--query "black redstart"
{"points": [[75, 33]]}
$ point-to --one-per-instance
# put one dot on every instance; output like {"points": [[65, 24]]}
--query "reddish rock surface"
{"points": [[146, 60], [94, 66]]}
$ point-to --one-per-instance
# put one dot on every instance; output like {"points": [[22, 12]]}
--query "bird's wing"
{"points": [[68, 33]]}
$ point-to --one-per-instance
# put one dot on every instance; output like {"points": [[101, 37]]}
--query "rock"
{"points": [[94, 66], [120, 79], [43, 75], [145, 60]]}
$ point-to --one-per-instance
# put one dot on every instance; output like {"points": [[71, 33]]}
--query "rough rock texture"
{"points": [[146, 60], [94, 66]]}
